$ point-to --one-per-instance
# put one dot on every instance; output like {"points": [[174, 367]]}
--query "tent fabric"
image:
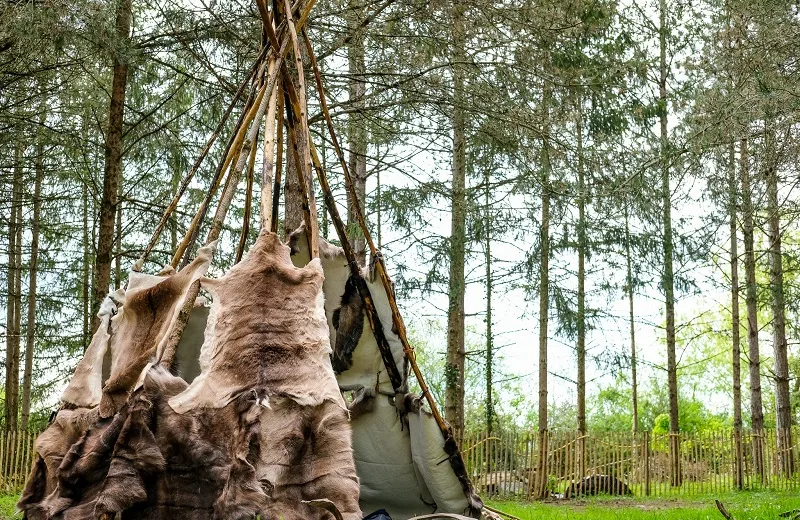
{"points": [[398, 447]]}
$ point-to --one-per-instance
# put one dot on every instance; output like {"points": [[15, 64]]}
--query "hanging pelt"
{"points": [[262, 431]]}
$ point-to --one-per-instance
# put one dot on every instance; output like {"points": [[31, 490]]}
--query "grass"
{"points": [[742, 506], [760, 505], [8, 506]]}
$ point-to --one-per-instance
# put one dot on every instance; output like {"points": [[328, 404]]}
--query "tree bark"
{"points": [[454, 369], [112, 171], [85, 282], [544, 294], [13, 310], [356, 128], [631, 323], [751, 301], [735, 324], [174, 184], [581, 317], [30, 339], [118, 237], [544, 260], [668, 277], [487, 248], [783, 407]]}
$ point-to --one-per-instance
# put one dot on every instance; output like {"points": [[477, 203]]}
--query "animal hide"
{"points": [[259, 432], [348, 320], [141, 327], [266, 332]]}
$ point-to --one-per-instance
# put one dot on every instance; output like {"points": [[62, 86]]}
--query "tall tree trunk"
{"points": [[85, 246], [487, 249], [581, 317], [631, 322], [356, 128], [30, 339], [735, 324], [454, 369], [378, 206], [544, 292], [783, 407], [118, 237], [751, 301], [85, 281], [11, 408], [668, 277], [176, 178], [112, 171]]}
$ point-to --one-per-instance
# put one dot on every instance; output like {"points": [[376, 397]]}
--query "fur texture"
{"points": [[261, 430], [348, 320]]}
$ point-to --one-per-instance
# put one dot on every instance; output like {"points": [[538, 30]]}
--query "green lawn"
{"points": [[8, 504], [742, 506]]}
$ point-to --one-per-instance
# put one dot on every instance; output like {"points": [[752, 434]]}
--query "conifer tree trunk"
{"points": [[751, 301], [13, 311], [30, 338], [112, 172], [544, 274], [668, 281], [85, 281], [631, 322], [735, 353], [357, 131], [454, 368], [118, 237], [581, 317], [86, 243], [544, 293], [487, 248], [173, 223], [783, 408]]}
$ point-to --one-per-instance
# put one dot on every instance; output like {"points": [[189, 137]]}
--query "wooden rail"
{"points": [[504, 464]]}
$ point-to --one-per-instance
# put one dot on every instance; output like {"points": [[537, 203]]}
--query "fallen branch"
{"points": [[501, 513], [722, 510]]}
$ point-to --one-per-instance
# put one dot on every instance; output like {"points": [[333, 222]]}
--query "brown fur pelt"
{"points": [[348, 320], [261, 431]]}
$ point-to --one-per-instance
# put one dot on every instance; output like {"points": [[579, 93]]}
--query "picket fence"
{"points": [[16, 459], [508, 464]]}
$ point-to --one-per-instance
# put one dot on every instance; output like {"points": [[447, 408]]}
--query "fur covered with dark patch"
{"points": [[348, 320], [261, 430]]}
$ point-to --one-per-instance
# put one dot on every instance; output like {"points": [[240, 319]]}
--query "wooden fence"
{"points": [[530, 465], [16, 459]]}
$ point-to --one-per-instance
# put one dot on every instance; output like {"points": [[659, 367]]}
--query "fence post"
{"points": [[647, 463]]}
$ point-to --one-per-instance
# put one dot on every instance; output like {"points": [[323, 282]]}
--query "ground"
{"points": [[743, 506]]}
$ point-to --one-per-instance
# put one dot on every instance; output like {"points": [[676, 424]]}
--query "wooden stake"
{"points": [[268, 163]]}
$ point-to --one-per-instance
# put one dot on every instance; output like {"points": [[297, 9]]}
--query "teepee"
{"points": [[286, 396]]}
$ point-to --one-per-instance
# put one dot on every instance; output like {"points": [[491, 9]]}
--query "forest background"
{"points": [[589, 206]]}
